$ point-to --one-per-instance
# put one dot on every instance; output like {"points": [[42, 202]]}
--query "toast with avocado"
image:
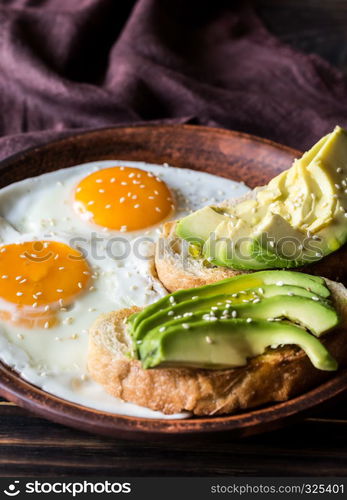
{"points": [[235, 344], [298, 220]]}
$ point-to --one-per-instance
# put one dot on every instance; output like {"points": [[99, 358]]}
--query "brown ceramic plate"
{"points": [[229, 154]]}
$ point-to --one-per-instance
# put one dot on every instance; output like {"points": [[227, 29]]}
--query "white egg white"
{"points": [[42, 208]]}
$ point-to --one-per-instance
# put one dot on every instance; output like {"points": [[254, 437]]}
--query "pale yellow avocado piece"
{"points": [[308, 200], [220, 244], [311, 194], [291, 243]]}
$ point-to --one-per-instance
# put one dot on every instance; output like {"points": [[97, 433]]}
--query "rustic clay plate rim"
{"points": [[31, 397]]}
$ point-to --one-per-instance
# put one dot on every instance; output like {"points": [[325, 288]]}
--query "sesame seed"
{"points": [[60, 290], [122, 199], [3, 250], [255, 301], [98, 181], [270, 319], [156, 192], [137, 205], [172, 299], [91, 288], [170, 313], [90, 202], [290, 294], [46, 325], [123, 229], [113, 180], [151, 197], [19, 294], [4, 276], [134, 197], [131, 175], [20, 336], [339, 170], [108, 205], [79, 284], [208, 339], [279, 283], [315, 298], [101, 190], [123, 183], [214, 308], [234, 314], [261, 290], [47, 308], [61, 268], [249, 320], [157, 209], [186, 326], [195, 297], [34, 305], [142, 186], [162, 329]]}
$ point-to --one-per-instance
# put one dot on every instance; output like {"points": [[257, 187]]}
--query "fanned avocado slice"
{"points": [[271, 301], [236, 284], [227, 344]]}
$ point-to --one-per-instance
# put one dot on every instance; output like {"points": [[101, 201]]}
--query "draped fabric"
{"points": [[68, 65]]}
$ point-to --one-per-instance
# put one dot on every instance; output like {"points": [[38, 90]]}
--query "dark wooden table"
{"points": [[315, 446]]}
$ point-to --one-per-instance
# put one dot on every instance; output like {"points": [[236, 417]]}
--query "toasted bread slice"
{"points": [[176, 269], [275, 376]]}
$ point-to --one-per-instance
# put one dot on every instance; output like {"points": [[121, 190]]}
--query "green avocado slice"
{"points": [[271, 301], [190, 228], [236, 284], [227, 344]]}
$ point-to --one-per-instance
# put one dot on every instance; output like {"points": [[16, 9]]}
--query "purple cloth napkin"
{"points": [[79, 64]]}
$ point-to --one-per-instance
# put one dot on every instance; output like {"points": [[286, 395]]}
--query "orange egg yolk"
{"points": [[123, 199], [39, 278]]}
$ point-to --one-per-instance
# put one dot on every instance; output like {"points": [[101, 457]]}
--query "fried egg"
{"points": [[70, 245]]}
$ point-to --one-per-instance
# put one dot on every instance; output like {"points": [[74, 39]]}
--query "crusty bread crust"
{"points": [[275, 376], [177, 270]]}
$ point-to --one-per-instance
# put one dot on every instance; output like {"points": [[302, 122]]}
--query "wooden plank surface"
{"points": [[31, 445], [316, 446]]}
